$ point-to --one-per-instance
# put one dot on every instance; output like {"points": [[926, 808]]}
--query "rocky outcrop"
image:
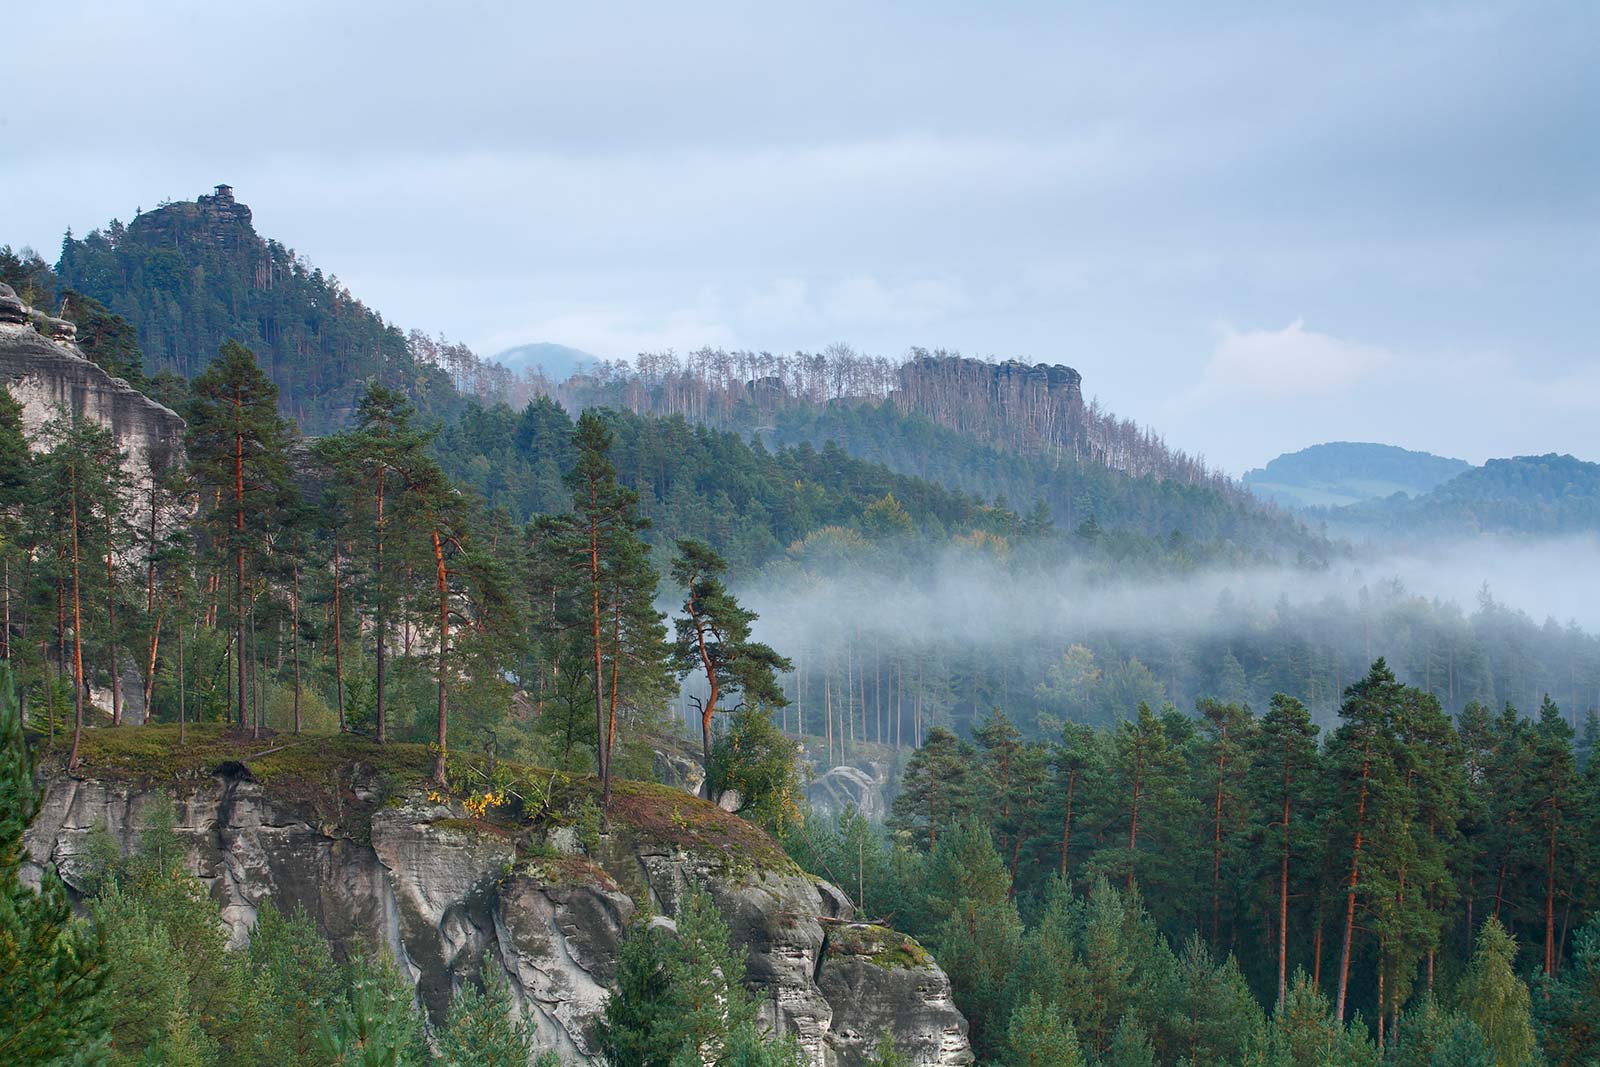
{"points": [[447, 895], [42, 368], [846, 787], [862, 785]]}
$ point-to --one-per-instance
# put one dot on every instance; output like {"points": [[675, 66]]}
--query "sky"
{"points": [[1253, 227]]}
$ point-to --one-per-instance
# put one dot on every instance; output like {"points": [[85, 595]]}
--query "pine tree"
{"points": [[713, 638], [935, 790], [1568, 1009], [1040, 1037], [378, 1024], [1495, 999], [1281, 781], [486, 1029], [1552, 811], [370, 459], [1078, 768], [976, 932], [1227, 729], [237, 445], [1155, 813], [51, 965], [296, 982], [1367, 782]]}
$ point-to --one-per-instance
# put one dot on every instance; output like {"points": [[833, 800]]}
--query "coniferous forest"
{"points": [[1167, 777]]}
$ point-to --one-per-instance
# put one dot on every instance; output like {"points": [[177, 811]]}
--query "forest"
{"points": [[1371, 839], [1230, 886]]}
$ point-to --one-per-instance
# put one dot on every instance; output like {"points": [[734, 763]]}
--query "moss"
{"points": [[478, 827], [879, 945], [337, 781], [673, 818]]}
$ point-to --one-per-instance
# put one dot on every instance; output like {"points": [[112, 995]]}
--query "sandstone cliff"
{"points": [[42, 368], [348, 832]]}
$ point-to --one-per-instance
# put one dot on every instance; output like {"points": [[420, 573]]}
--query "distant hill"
{"points": [[192, 274], [1547, 494], [559, 362], [1347, 472]]}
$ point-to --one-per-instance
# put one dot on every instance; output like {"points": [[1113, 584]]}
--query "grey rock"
{"points": [[446, 897], [847, 787], [50, 378]]}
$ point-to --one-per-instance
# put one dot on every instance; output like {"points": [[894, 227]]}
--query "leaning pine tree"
{"points": [[714, 639]]}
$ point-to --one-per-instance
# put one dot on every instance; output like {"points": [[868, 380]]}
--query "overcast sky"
{"points": [[1254, 227]]}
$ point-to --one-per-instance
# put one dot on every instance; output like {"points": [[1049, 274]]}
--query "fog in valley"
{"points": [[1482, 618]]}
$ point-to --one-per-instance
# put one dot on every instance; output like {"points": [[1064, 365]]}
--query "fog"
{"points": [[1492, 620], [978, 600]]}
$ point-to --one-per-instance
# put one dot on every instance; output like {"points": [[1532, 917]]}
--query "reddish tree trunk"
{"points": [[441, 576], [1066, 823], [1350, 896]]}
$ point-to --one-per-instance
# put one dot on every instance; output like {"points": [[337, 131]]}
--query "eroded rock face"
{"points": [[847, 787], [50, 378], [445, 895]]}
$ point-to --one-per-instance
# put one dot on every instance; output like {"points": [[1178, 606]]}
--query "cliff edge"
{"points": [[43, 369], [351, 833]]}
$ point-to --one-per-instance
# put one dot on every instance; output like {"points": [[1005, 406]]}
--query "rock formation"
{"points": [[42, 368], [379, 866], [860, 786]]}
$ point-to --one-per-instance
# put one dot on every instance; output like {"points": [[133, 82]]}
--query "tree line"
{"points": [[1377, 875], [346, 583]]}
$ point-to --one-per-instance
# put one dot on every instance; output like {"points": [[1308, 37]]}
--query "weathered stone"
{"points": [[446, 896], [846, 787], [51, 379], [882, 982]]}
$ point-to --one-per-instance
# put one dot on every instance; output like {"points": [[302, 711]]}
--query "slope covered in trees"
{"points": [[994, 429], [1246, 888], [190, 275], [1549, 494], [1346, 472]]}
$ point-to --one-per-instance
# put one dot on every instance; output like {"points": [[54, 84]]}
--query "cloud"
{"points": [[1292, 361]]}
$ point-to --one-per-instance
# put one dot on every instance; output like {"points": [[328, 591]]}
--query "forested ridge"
{"points": [[1534, 495]]}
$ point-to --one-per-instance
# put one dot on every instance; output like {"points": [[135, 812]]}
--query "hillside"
{"points": [[1549, 494], [1348, 472], [192, 274], [748, 502], [998, 430], [179, 280]]}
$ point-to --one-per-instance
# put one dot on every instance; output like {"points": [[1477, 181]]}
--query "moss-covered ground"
{"points": [[340, 779], [885, 947]]}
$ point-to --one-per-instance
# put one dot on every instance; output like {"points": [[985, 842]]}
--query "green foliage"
{"points": [[714, 642], [752, 757], [1040, 1037], [296, 983], [1497, 1001], [1548, 494], [51, 965], [1568, 1010], [485, 1029], [194, 274], [681, 999], [377, 1025], [1304, 1032], [973, 926]]}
